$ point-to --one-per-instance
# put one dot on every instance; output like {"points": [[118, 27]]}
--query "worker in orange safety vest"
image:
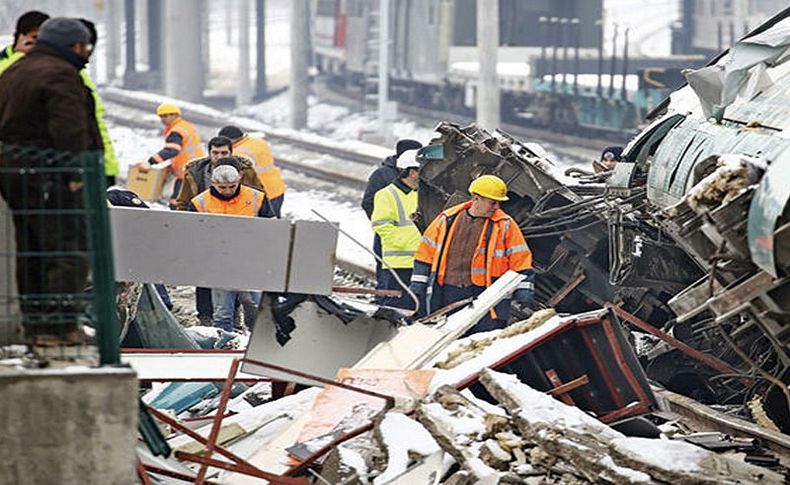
{"points": [[182, 144], [257, 150], [229, 197], [466, 248]]}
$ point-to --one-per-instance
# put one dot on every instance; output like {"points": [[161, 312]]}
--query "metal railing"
{"points": [[55, 241]]}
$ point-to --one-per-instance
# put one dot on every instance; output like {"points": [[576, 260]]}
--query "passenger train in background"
{"points": [[551, 70]]}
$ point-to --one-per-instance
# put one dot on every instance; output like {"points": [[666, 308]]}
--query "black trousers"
{"points": [[51, 251]]}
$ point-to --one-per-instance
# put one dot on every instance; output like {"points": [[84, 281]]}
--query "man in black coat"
{"points": [[45, 105], [384, 175]]}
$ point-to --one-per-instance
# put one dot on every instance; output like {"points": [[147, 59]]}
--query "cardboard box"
{"points": [[148, 184]]}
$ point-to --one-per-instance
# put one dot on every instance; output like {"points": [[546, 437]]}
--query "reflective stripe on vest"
{"points": [[403, 221], [192, 145], [257, 151], [247, 203]]}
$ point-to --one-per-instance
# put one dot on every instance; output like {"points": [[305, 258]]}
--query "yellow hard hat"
{"points": [[490, 187], [167, 109]]}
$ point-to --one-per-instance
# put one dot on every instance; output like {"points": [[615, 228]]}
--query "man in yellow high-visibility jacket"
{"points": [[25, 35], [393, 207], [258, 152]]}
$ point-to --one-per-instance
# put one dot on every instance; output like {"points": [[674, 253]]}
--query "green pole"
{"points": [[101, 259]]}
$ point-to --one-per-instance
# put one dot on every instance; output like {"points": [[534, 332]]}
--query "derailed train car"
{"points": [[690, 232]]}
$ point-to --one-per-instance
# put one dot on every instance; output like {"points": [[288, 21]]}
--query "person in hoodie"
{"points": [[45, 105]]}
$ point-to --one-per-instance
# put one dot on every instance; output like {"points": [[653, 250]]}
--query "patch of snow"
{"points": [[633, 475], [666, 454], [498, 349], [401, 435], [540, 407], [354, 460]]}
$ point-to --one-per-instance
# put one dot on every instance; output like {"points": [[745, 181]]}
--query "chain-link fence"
{"points": [[55, 244]]}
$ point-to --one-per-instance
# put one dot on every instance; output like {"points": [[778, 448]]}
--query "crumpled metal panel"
{"points": [[768, 203]]}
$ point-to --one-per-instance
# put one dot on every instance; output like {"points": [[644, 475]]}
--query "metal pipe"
{"points": [[565, 35], [130, 37], [613, 65], [623, 92], [555, 41], [599, 90], [260, 49], [543, 30], [220, 411], [577, 35], [711, 361]]}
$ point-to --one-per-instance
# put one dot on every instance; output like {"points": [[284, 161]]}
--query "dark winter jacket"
{"points": [[44, 103], [384, 175], [197, 178]]}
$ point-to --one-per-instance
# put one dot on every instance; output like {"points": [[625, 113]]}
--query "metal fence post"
{"points": [[101, 259]]}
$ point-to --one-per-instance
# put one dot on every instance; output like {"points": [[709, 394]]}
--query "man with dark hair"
{"points": [[384, 175], [197, 179], [46, 106], [27, 27], [197, 173], [258, 152]]}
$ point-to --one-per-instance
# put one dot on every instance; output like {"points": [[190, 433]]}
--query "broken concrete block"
{"points": [[519, 457], [402, 438], [599, 452], [561, 431], [496, 424], [459, 431], [495, 456], [681, 462]]}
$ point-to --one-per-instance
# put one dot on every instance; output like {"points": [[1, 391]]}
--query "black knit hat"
{"points": [[94, 36], [612, 153], [406, 144], [63, 32], [231, 132]]}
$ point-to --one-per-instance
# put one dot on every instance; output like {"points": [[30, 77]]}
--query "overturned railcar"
{"points": [[690, 232]]}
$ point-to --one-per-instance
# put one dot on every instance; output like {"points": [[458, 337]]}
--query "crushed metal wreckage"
{"points": [[688, 234], [673, 268]]}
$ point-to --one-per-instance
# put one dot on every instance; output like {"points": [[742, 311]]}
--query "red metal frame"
{"points": [[169, 473], [240, 465], [709, 360]]}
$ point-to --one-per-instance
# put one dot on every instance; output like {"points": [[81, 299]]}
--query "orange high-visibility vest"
{"points": [[501, 247], [191, 148], [257, 150], [247, 203]]}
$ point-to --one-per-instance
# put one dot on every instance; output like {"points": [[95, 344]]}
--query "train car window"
{"points": [[650, 141]]}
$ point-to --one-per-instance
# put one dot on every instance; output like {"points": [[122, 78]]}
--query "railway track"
{"points": [[579, 149], [312, 156]]}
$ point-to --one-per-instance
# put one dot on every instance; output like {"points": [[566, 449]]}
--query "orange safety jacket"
{"points": [[501, 247], [247, 203], [257, 150], [191, 146]]}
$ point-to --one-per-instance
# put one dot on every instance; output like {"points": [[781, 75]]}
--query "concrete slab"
{"points": [[72, 425], [220, 251], [312, 267]]}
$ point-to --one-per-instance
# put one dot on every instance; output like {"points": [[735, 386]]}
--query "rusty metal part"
{"points": [[688, 350], [705, 417], [366, 291], [570, 385], [169, 473]]}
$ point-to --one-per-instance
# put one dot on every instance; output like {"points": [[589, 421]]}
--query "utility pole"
{"points": [[131, 58], [113, 48], [243, 89], [487, 48], [182, 67], [298, 88], [260, 49], [385, 108]]}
